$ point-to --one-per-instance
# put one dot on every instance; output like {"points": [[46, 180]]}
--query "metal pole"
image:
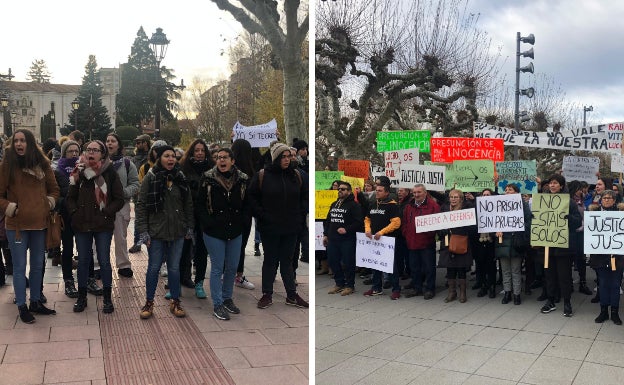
{"points": [[517, 101], [157, 113], [584, 116]]}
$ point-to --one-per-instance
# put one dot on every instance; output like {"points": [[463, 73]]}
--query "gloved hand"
{"points": [[144, 238]]}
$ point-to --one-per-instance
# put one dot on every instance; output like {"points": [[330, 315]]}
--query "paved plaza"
{"points": [[267, 346], [375, 340]]}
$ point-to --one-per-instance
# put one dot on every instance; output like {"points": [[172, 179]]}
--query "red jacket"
{"points": [[418, 241]]}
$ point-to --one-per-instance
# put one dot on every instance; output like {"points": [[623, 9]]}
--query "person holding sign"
{"points": [[343, 221], [383, 218], [559, 270], [608, 268], [509, 249], [455, 250]]}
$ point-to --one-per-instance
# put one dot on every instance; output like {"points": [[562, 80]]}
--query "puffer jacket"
{"points": [[418, 241]]}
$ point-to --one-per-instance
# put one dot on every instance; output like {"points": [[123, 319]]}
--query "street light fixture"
{"points": [[6, 123], [529, 92], [75, 105], [585, 111], [159, 44]]}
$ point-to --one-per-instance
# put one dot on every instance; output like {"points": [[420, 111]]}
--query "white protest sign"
{"points": [[376, 172], [445, 220], [397, 160], [318, 236], [375, 254], [617, 163], [502, 213], [603, 232], [258, 136], [431, 176], [581, 168]]}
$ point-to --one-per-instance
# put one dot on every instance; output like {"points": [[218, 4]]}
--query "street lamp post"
{"points": [[158, 43], [6, 123], [75, 105], [529, 92], [585, 111]]}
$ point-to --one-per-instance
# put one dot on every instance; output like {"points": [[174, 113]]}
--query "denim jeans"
{"points": [[423, 261], [341, 259], [156, 252], [84, 244], [278, 248], [33, 241], [224, 255], [609, 286]]}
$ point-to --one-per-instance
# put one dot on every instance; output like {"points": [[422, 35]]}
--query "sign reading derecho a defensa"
{"points": [[445, 220], [549, 226], [603, 232], [375, 254], [258, 136], [402, 140], [500, 213], [431, 176]]}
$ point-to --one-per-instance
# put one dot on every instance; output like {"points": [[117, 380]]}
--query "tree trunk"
{"points": [[295, 118]]}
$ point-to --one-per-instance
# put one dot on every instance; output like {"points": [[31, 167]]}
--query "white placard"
{"points": [[603, 232], [318, 236], [502, 213], [375, 254], [581, 168], [433, 177], [258, 136], [397, 160], [617, 163], [376, 172], [445, 220]]}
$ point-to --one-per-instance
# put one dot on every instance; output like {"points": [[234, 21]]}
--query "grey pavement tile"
{"points": [[610, 332], [491, 337], [321, 311], [425, 309], [591, 373], [548, 323], [392, 347], [481, 380], [529, 342], [582, 327], [572, 348], [369, 321], [358, 342], [349, 371], [395, 373], [465, 358], [485, 315], [434, 376], [608, 353], [324, 359], [341, 317], [454, 312], [329, 335], [428, 353], [396, 325], [507, 365], [459, 333], [426, 328], [384, 305], [551, 371], [517, 317]]}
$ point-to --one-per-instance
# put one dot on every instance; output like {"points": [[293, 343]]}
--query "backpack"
{"points": [[261, 177]]}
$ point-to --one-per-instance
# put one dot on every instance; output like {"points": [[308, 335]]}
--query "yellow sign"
{"points": [[354, 182], [323, 200]]}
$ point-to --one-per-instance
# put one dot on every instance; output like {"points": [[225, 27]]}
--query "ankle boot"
{"points": [[108, 302], [25, 314], [39, 308], [516, 299], [615, 316], [603, 316], [596, 298], [452, 291], [543, 296], [81, 302], [584, 289], [506, 298], [324, 268], [492, 291], [483, 291], [462, 290]]}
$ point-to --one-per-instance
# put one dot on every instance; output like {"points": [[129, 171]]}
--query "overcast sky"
{"points": [[64, 34], [578, 43]]}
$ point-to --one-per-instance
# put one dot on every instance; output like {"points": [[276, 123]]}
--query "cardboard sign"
{"points": [[431, 176], [522, 173], [322, 201], [581, 168], [549, 227], [447, 150], [403, 140], [318, 236], [258, 136], [323, 179], [502, 213], [394, 160], [445, 220], [375, 254], [354, 168], [470, 175]]}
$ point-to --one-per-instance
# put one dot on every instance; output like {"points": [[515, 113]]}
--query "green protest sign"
{"points": [[470, 175], [522, 173], [323, 179], [549, 226], [403, 140]]}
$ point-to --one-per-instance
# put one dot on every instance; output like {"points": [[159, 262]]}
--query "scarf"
{"points": [[200, 166], [163, 178], [66, 165], [101, 189], [117, 160]]}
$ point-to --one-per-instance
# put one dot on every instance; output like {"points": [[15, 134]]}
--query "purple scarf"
{"points": [[66, 165]]}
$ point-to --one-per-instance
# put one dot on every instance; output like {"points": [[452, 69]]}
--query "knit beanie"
{"points": [[161, 149], [299, 144], [66, 145], [277, 148]]}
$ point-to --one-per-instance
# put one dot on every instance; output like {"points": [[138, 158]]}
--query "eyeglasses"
{"points": [[93, 150], [73, 151], [343, 189], [606, 198], [223, 157]]}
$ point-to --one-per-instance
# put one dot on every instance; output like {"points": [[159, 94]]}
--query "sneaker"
{"points": [[428, 295], [241, 281], [70, 289], [147, 310], [176, 309], [93, 288], [199, 290], [297, 301], [335, 290], [25, 314], [567, 309], [265, 301], [221, 313], [125, 272], [413, 293], [228, 304], [347, 291], [168, 295], [395, 295], [135, 249], [39, 308], [163, 270], [548, 307], [43, 298], [372, 293]]}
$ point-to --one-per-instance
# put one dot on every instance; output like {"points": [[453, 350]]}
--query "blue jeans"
{"points": [[224, 255], [34, 241], [256, 232], [341, 259], [421, 262], [609, 286], [84, 244], [156, 252]]}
